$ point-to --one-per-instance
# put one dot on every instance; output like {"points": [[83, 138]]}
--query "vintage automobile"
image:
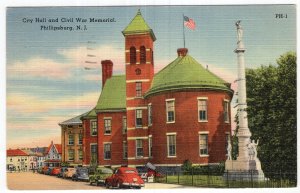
{"points": [[44, 169], [68, 173], [125, 177], [48, 171], [55, 171], [81, 174], [100, 175], [61, 172]]}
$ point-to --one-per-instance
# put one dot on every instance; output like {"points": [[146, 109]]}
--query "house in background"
{"points": [[72, 140], [17, 160], [32, 158], [53, 155], [40, 153]]}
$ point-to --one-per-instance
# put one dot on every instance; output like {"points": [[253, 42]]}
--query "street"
{"points": [[35, 181]]}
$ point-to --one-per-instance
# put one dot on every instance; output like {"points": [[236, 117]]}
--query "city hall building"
{"points": [[180, 113]]}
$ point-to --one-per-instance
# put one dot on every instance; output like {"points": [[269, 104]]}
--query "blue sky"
{"points": [[46, 80]]}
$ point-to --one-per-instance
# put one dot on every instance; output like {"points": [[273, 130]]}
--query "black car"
{"points": [[82, 174], [62, 170]]}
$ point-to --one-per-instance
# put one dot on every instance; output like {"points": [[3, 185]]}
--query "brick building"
{"points": [[182, 112]]}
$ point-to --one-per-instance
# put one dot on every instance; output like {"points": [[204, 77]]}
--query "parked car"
{"points": [[68, 173], [55, 171], [125, 177], [40, 170], [48, 171], [81, 174], [61, 172], [45, 169], [100, 175]]}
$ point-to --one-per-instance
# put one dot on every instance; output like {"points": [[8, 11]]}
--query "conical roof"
{"points": [[186, 73], [138, 25]]}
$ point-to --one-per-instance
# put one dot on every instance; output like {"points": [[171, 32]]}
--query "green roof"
{"points": [[186, 73], [89, 115], [138, 25], [113, 95]]}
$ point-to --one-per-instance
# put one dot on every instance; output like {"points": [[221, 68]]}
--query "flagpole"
{"points": [[183, 30]]}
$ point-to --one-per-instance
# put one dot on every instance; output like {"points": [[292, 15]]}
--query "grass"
{"points": [[215, 181]]}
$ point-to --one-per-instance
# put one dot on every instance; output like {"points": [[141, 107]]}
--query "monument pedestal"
{"points": [[243, 170]]}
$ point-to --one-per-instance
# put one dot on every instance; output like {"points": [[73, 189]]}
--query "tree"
{"points": [[272, 114]]}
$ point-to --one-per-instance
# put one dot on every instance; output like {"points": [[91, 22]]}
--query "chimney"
{"points": [[107, 69], [182, 51]]}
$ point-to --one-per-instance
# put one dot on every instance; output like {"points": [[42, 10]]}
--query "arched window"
{"points": [[143, 55], [132, 55]]}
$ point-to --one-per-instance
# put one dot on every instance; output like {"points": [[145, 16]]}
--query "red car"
{"points": [[55, 171], [125, 177]]}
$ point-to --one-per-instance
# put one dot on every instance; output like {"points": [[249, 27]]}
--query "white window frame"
{"points": [[91, 153], [150, 146], [168, 144], [167, 117], [69, 150], [109, 119], [91, 127], [104, 150], [136, 148], [136, 113], [124, 125], [226, 110], [198, 113], [150, 118], [79, 138], [227, 138], [138, 89], [80, 150], [207, 134], [73, 140]]}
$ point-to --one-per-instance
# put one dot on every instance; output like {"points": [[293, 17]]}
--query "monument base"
{"points": [[236, 170]]}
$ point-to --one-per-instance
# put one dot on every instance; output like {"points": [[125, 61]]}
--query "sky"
{"points": [[46, 80]]}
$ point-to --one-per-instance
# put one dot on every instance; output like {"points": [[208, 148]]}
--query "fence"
{"points": [[213, 179]]}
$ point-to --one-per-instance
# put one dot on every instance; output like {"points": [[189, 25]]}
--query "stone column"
{"points": [[244, 167]]}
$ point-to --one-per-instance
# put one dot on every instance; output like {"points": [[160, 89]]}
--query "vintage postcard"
{"points": [[151, 97]]}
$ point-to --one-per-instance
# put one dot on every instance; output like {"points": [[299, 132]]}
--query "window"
{"points": [[170, 108], [171, 141], [226, 111], [80, 138], [203, 144], [71, 140], [202, 109], [107, 126], [80, 155], [149, 114], [71, 154], [150, 146], [124, 125], [227, 140], [125, 151], [107, 151], [139, 148], [138, 118], [138, 89], [143, 55], [132, 55], [94, 128], [94, 153]]}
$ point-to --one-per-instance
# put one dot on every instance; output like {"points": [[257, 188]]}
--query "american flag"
{"points": [[189, 23]]}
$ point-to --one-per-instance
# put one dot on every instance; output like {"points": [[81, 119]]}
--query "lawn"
{"points": [[215, 181]]}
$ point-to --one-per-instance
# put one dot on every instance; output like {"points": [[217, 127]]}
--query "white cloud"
{"points": [[82, 57], [39, 67]]}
